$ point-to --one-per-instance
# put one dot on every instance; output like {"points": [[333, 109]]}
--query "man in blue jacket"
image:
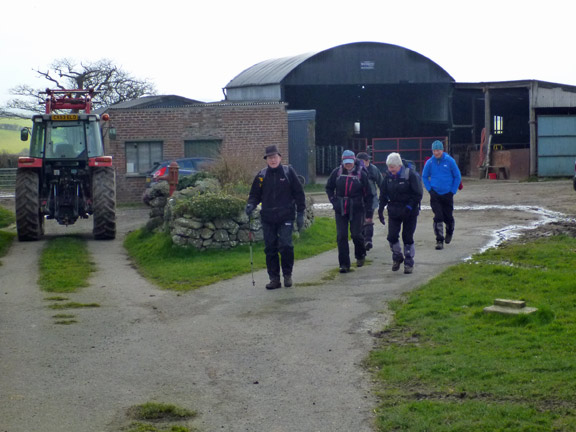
{"points": [[441, 178]]}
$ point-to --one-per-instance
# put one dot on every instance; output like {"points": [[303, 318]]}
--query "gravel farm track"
{"points": [[244, 358]]}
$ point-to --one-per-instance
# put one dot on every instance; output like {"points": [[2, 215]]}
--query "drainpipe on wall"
{"points": [[488, 128], [532, 94]]}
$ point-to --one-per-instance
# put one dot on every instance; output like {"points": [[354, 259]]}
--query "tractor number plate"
{"points": [[64, 117]]}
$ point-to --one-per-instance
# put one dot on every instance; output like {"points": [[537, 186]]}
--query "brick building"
{"points": [[157, 128]]}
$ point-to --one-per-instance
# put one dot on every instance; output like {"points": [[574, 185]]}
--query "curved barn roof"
{"points": [[354, 63], [269, 71]]}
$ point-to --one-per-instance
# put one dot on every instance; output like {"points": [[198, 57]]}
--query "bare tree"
{"points": [[113, 84]]}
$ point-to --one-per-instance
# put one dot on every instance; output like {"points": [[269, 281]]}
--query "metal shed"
{"points": [[529, 126], [360, 91]]}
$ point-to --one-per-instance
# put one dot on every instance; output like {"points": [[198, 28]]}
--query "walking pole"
{"points": [[250, 239]]}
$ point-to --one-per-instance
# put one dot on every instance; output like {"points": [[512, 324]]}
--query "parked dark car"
{"points": [[574, 178], [187, 166]]}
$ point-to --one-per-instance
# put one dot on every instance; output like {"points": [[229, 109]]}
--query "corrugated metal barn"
{"points": [[384, 98]]}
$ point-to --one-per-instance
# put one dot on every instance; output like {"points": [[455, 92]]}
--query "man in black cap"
{"points": [[374, 179], [282, 196]]}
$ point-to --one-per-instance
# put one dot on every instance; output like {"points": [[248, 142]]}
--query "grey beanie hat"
{"points": [[394, 159]]}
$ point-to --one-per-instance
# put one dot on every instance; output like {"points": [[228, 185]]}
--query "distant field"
{"points": [[10, 139]]}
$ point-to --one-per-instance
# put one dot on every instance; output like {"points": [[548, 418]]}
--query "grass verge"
{"points": [[6, 217], [176, 268], [446, 365], [65, 265], [6, 239]]}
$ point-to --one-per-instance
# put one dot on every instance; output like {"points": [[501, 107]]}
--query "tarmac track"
{"points": [[246, 359]]}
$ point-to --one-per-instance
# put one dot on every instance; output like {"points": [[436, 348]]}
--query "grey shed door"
{"points": [[301, 142], [556, 146]]}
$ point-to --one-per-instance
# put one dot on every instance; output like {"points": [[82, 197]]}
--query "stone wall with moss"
{"points": [[176, 216]]}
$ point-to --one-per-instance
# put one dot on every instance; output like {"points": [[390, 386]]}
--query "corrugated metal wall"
{"points": [[556, 145]]}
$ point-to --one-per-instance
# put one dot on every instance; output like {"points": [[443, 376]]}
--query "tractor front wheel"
{"points": [[104, 203], [29, 220]]}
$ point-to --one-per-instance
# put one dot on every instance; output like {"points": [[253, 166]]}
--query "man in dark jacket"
{"points": [[349, 192], [374, 179], [401, 192], [282, 196]]}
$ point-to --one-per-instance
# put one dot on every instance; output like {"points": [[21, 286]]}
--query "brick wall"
{"points": [[244, 129]]}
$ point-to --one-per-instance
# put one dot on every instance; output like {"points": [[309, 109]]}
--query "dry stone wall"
{"points": [[188, 231]]}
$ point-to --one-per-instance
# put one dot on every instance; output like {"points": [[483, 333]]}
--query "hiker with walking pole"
{"points": [[282, 196]]}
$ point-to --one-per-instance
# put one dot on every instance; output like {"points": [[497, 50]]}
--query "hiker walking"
{"points": [[374, 179], [401, 193], [442, 178], [282, 196], [349, 192]]}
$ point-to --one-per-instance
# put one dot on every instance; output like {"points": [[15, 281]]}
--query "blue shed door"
{"points": [[556, 145], [301, 142]]}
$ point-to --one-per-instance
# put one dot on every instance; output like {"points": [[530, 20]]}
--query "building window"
{"points": [[498, 124], [141, 156], [203, 148]]}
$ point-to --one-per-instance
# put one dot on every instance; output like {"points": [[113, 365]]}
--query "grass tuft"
{"points": [[73, 305], [146, 427], [160, 411], [65, 322]]}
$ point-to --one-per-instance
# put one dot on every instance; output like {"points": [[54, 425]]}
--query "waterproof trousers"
{"points": [[343, 222], [406, 225], [443, 208], [278, 245], [368, 232]]}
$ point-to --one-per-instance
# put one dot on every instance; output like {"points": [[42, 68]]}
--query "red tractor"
{"points": [[66, 175]]}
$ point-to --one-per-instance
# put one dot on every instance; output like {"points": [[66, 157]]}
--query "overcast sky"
{"points": [[193, 48]]}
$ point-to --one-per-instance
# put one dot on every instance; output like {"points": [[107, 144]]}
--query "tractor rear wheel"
{"points": [[104, 203], [29, 220]]}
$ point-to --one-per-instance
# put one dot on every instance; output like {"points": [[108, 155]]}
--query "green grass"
{"points": [[10, 139], [6, 240], [176, 268], [315, 187], [445, 365], [159, 413], [6, 217], [72, 305], [65, 265]]}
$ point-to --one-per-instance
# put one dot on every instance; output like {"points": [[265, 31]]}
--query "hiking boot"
{"points": [[274, 284], [448, 238], [439, 245], [287, 281], [368, 246], [344, 269], [360, 262], [408, 269], [396, 264]]}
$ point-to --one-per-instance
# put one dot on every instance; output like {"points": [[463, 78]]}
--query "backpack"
{"points": [[409, 165], [262, 174], [357, 168]]}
